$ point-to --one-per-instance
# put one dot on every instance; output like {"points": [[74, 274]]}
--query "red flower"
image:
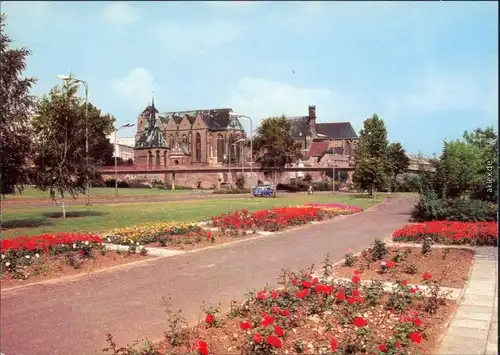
{"points": [[390, 264], [306, 284], [315, 280], [245, 325], [294, 282], [267, 321], [275, 295], [418, 322], [302, 294], [427, 276], [416, 337], [382, 348], [276, 310], [360, 322], [273, 341], [356, 279], [351, 300], [355, 293], [209, 318], [278, 330], [201, 347], [333, 344], [340, 296], [397, 345], [359, 299], [404, 282], [357, 272], [412, 290], [261, 295], [285, 313], [257, 338]]}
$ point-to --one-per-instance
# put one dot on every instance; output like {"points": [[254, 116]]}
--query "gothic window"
{"points": [[157, 163], [198, 147], [184, 139], [150, 159], [165, 157], [220, 148], [170, 141]]}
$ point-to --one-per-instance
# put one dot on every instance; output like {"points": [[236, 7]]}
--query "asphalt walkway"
{"points": [[73, 317]]}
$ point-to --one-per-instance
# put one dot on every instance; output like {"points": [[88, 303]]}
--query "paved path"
{"points": [[73, 317], [474, 329]]}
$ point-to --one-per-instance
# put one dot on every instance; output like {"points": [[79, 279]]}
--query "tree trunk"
{"points": [[63, 208], [370, 191]]}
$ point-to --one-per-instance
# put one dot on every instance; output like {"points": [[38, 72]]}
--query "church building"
{"points": [[187, 138]]}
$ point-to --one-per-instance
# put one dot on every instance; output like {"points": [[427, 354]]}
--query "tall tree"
{"points": [[398, 161], [370, 156], [274, 144], [59, 129], [457, 169], [486, 140], [16, 106]]}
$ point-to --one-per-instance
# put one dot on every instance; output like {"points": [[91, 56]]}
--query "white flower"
{"points": [[109, 240], [137, 243], [74, 246], [86, 242], [7, 264], [131, 241], [3, 256], [37, 255], [27, 256]]}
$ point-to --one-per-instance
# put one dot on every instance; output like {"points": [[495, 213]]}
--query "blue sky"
{"points": [[429, 69]]}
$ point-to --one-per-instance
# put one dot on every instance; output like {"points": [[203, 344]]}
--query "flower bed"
{"points": [[148, 233], [52, 255], [447, 232], [450, 267], [316, 316], [353, 209], [277, 218]]}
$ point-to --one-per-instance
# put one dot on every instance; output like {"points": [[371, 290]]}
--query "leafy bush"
{"points": [[430, 208], [231, 191]]}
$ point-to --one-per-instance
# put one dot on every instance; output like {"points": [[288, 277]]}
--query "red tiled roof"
{"points": [[316, 149]]}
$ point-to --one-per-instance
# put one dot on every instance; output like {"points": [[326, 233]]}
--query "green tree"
{"points": [[457, 169], [59, 128], [486, 140], [274, 144], [371, 156], [16, 106], [398, 162], [101, 150]]}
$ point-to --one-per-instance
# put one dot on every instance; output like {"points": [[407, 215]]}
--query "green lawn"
{"points": [[97, 218], [104, 192]]}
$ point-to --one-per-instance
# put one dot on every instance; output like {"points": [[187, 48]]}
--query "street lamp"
{"points": [[69, 79], [229, 157], [333, 176], [128, 124], [236, 115]]}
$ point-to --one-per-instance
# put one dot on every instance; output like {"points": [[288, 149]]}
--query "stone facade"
{"points": [[188, 138]]}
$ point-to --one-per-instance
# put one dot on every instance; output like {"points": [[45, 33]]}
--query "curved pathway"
{"points": [[73, 317]]}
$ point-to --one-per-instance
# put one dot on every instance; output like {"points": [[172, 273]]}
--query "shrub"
{"points": [[430, 208]]}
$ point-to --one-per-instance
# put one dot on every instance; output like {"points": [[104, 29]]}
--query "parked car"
{"points": [[263, 191]]}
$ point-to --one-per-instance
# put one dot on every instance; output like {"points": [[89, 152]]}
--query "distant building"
{"points": [[198, 137], [317, 138], [124, 148]]}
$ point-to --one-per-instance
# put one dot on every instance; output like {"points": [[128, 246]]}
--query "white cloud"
{"points": [[121, 13], [196, 37], [261, 98], [136, 88], [448, 92]]}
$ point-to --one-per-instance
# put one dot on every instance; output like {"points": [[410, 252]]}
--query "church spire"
{"points": [[153, 101]]}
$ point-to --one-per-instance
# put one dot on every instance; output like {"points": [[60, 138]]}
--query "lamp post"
{"points": [[129, 124], [235, 115], [232, 145], [69, 79], [333, 177]]}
